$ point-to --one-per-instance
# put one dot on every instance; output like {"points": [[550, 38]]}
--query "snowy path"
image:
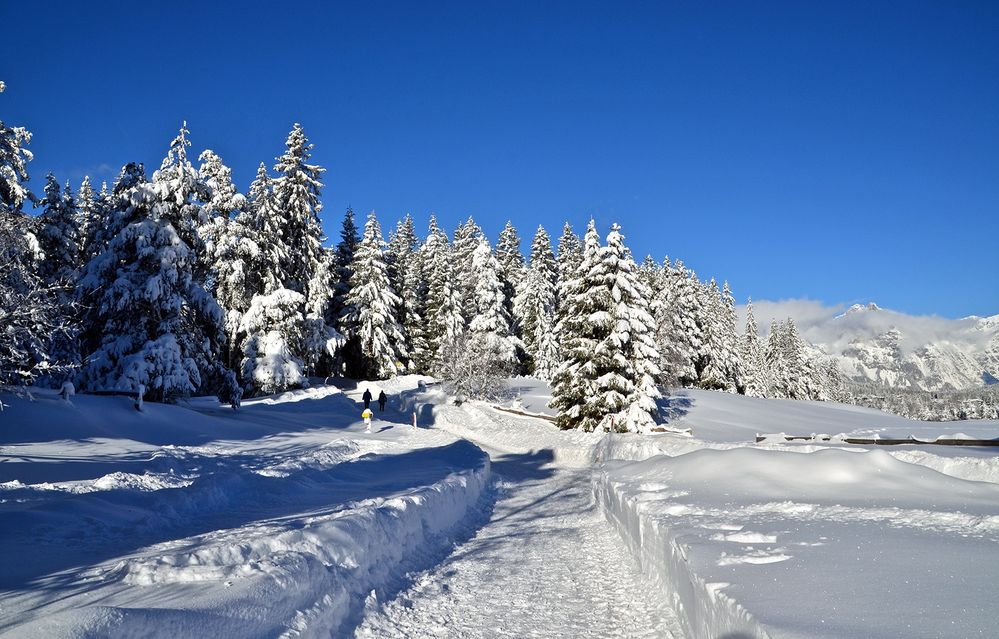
{"points": [[546, 564]]}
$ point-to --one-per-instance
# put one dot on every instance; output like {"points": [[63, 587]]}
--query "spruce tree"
{"points": [[405, 276], [574, 382], [273, 332], [58, 235], [632, 338], [296, 193], [345, 249], [755, 374], [570, 254], [157, 326], [373, 323], [608, 375], [687, 353], [511, 263], [534, 307], [31, 315], [490, 323], [87, 214], [222, 201], [466, 239], [444, 320]]}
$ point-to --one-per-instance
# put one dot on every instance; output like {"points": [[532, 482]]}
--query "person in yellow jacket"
{"points": [[367, 415]]}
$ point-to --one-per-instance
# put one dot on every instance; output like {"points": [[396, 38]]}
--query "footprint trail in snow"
{"points": [[547, 564]]}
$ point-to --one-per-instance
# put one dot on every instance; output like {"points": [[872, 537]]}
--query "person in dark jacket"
{"points": [[381, 401], [366, 397]]}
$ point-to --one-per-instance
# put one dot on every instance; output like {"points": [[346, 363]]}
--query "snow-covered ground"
{"points": [[197, 520], [285, 518]]}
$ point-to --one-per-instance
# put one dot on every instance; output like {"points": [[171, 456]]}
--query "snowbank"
{"points": [[195, 520], [834, 543]]}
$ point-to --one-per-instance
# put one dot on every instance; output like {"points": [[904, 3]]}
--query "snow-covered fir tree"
{"points": [[157, 326], [719, 369], [444, 320], [570, 254], [58, 235], [345, 249], [87, 216], [754, 367], [686, 331], [466, 239], [296, 193], [632, 336], [247, 260], [31, 314], [372, 326], [222, 202], [608, 373], [792, 372], [14, 158], [490, 324], [405, 276], [511, 263], [534, 307]]}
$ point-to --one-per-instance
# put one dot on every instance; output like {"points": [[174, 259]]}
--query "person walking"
{"points": [[382, 398], [367, 415], [366, 397]]}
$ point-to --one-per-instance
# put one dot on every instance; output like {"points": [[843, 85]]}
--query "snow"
{"points": [[933, 352], [285, 519], [194, 520]]}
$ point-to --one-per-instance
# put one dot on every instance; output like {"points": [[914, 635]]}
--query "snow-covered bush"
{"points": [[474, 366]]}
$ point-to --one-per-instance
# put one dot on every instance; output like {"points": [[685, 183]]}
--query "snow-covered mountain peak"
{"points": [[874, 344], [859, 308]]}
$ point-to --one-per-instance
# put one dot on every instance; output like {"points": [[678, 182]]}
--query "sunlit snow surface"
{"points": [[285, 518], [194, 520], [806, 540]]}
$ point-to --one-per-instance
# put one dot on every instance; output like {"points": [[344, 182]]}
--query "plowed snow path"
{"points": [[547, 564]]}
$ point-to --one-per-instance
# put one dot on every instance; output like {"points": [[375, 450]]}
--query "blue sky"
{"points": [[842, 152]]}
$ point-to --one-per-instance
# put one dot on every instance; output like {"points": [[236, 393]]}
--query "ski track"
{"points": [[546, 564]]}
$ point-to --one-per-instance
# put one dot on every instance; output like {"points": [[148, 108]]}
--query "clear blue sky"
{"points": [[841, 151]]}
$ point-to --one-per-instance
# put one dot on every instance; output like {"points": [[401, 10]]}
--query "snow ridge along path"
{"points": [[546, 564]]}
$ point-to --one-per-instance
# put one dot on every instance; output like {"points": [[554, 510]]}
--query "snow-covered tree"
{"points": [[470, 368], [687, 353], [755, 372], [58, 235], [720, 363], [607, 376], [792, 371], [156, 324], [510, 262], [490, 325], [274, 331], [345, 249], [534, 307], [32, 317], [88, 215], [570, 254], [14, 158], [405, 275], [248, 256], [222, 202], [444, 320], [296, 193], [372, 324], [466, 239]]}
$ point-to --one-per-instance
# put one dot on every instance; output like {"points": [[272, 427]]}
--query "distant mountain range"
{"points": [[872, 344]]}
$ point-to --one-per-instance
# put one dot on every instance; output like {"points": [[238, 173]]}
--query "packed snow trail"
{"points": [[546, 564]]}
